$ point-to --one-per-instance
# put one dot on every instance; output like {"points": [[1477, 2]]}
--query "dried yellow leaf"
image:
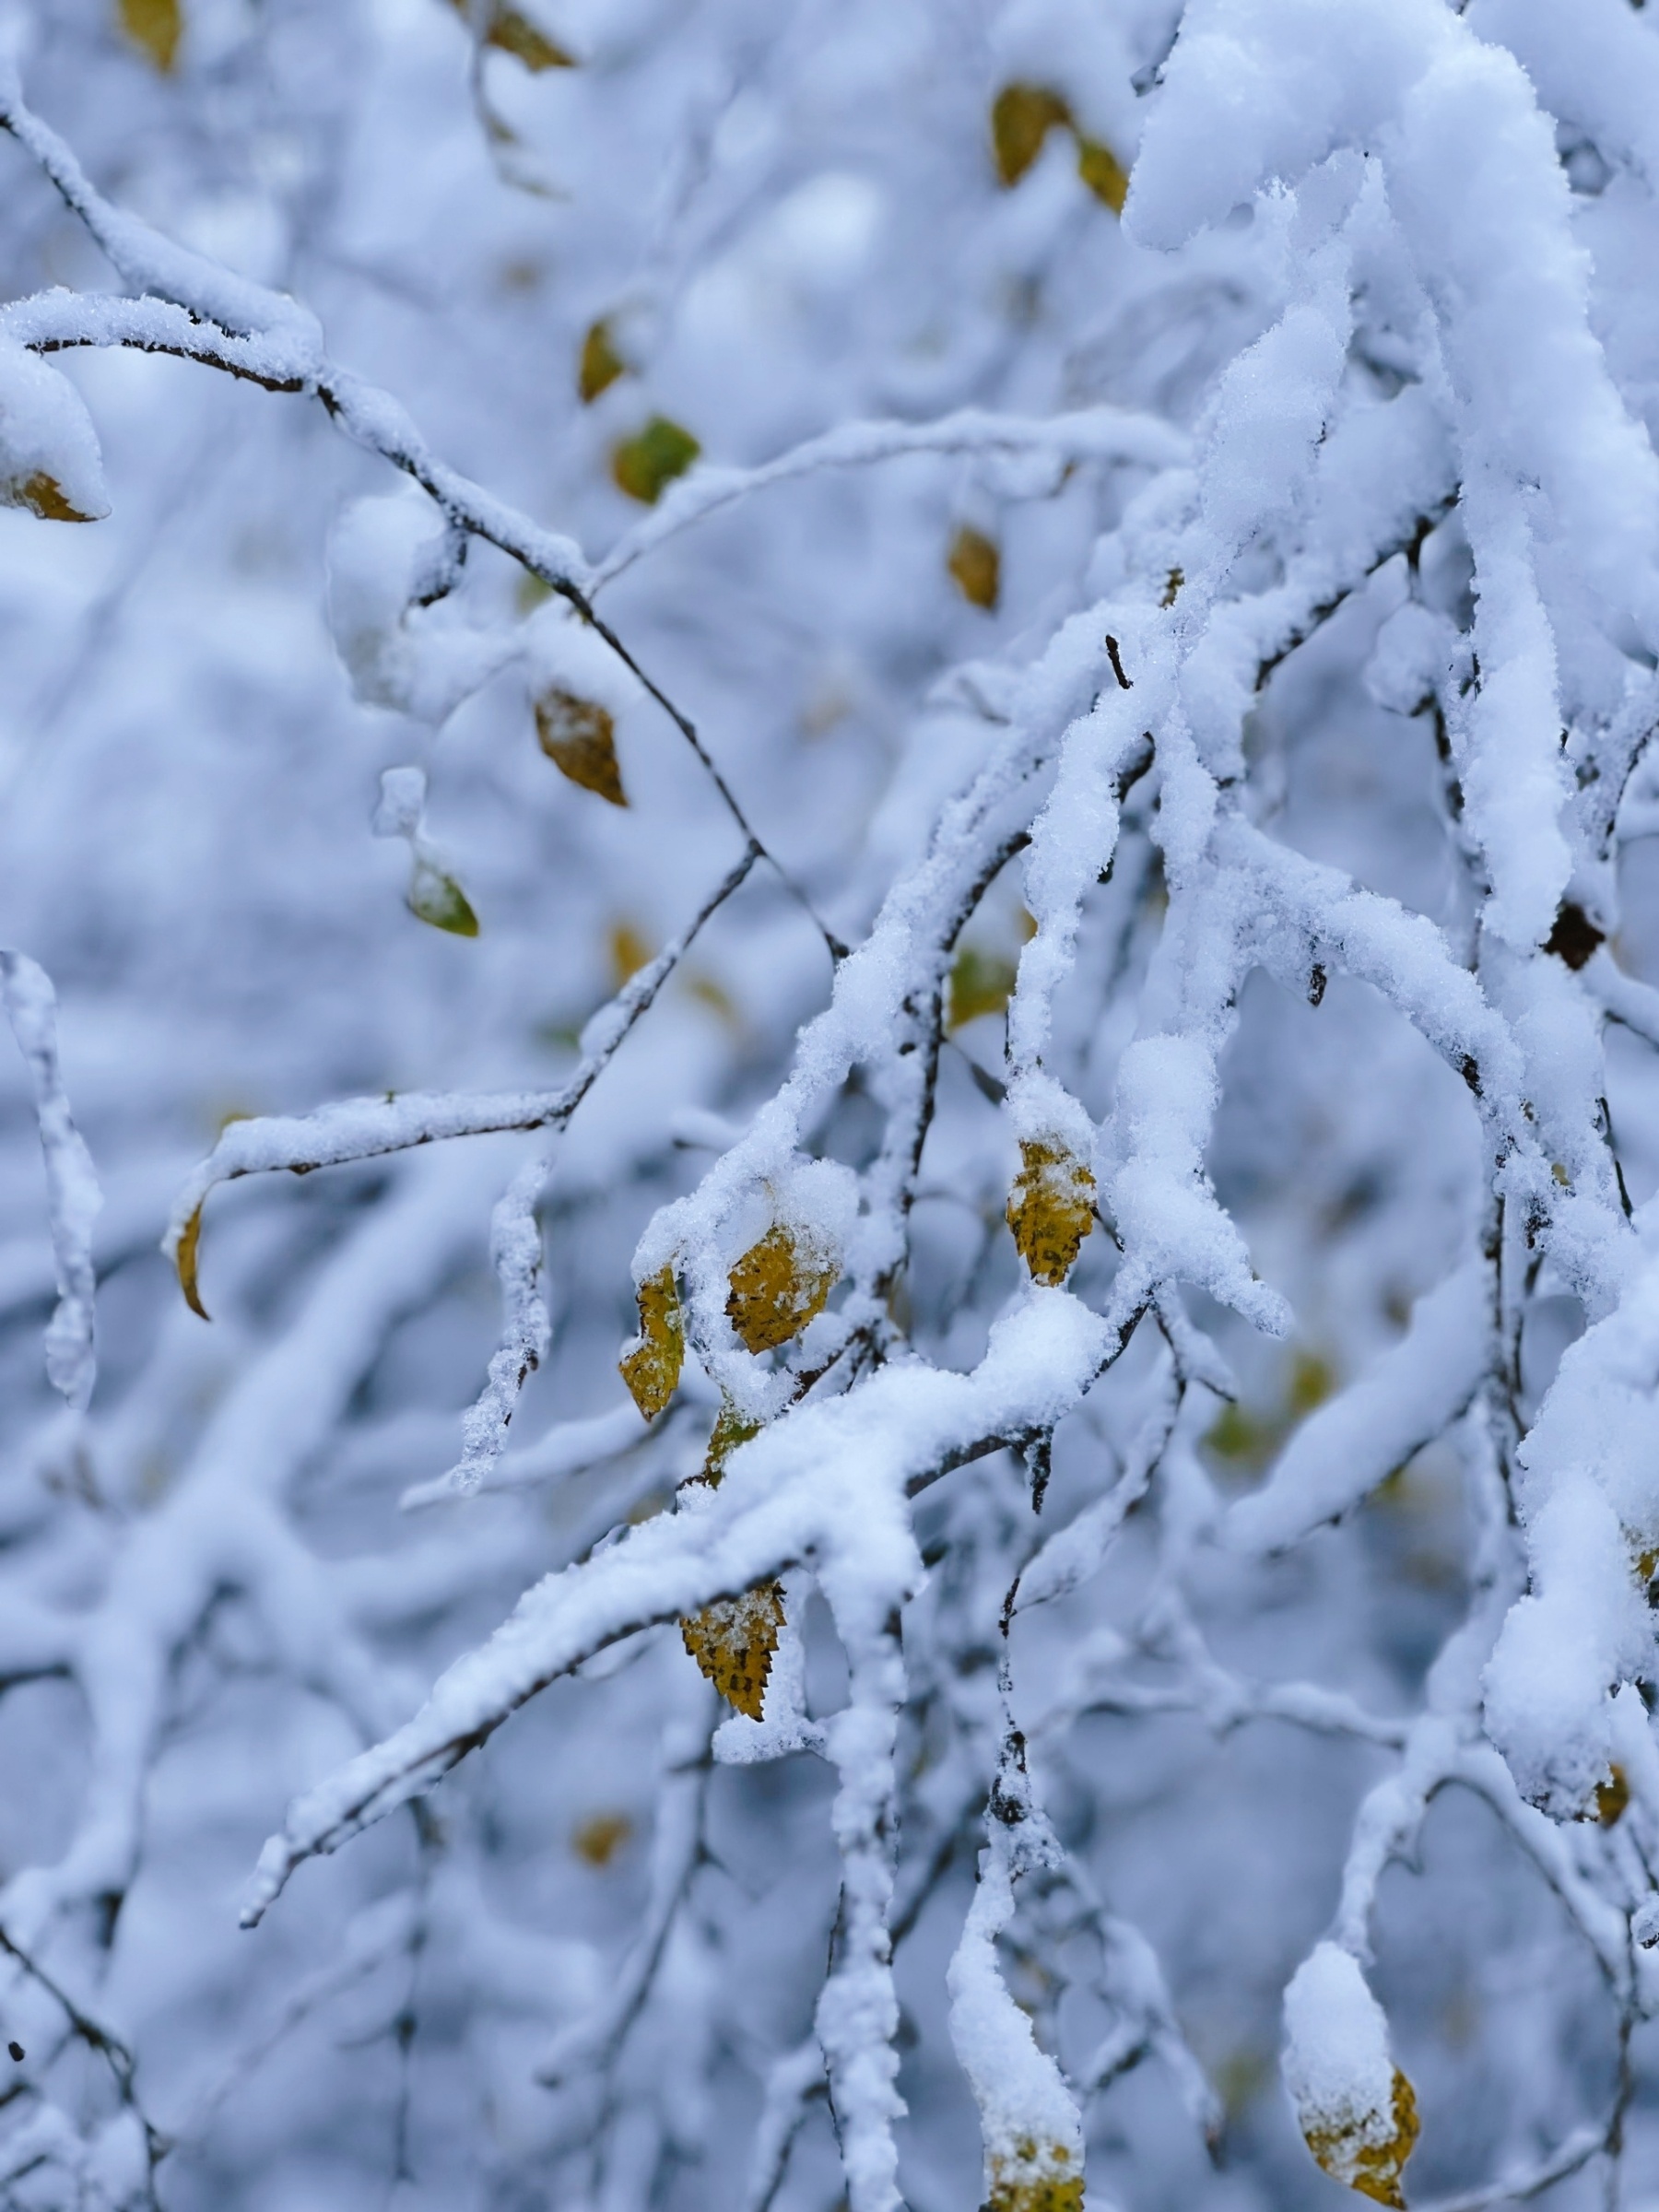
{"points": [[44, 496], [1036, 2181], [1050, 1209], [1021, 118], [189, 1236], [777, 1288], [580, 737], [980, 983], [516, 35], [600, 364], [1173, 584], [651, 1366], [157, 26], [1612, 1796], [1103, 174], [628, 952], [437, 898], [1361, 2156], [733, 1641], [597, 1840], [644, 466], [976, 565], [510, 32]]}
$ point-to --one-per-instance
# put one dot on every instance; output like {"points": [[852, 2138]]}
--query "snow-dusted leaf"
{"points": [[651, 1363], [434, 896], [1050, 1209], [49, 458], [579, 737], [733, 1641], [778, 1285], [1357, 2110]]}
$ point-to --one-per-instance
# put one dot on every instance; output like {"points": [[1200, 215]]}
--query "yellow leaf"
{"points": [[44, 496], [733, 1641], [157, 26], [597, 1840], [1359, 2154], [580, 737], [651, 1366], [644, 466], [1051, 1209], [601, 364], [628, 952], [513, 32], [1103, 172], [777, 1288], [1034, 2180], [732, 1428], [189, 1236], [516, 35], [976, 564], [980, 983], [1612, 1796], [437, 898], [1021, 118]]}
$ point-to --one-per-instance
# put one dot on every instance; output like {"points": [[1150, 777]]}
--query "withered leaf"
{"points": [[976, 565], [1050, 1209], [579, 737], [190, 1237], [777, 1288], [1368, 2151], [157, 26], [44, 496], [644, 466], [510, 32], [733, 1641], [651, 1366], [628, 948], [597, 1840], [1612, 1796], [1103, 174], [437, 898], [600, 364], [1021, 118]]}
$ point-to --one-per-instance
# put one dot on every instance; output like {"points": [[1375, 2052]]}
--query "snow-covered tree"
{"points": [[908, 750]]}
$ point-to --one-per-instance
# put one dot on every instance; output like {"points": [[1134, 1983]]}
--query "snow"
{"points": [[1292, 786]]}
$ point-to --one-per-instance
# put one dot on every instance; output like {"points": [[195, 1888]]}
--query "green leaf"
{"points": [[980, 983], [645, 465], [437, 898]]}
